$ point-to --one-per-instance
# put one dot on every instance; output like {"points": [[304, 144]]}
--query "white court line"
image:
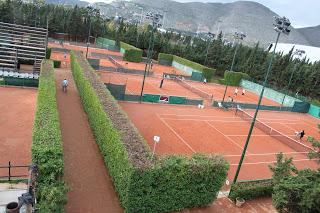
{"points": [[200, 116], [266, 154], [268, 162], [256, 135], [165, 123], [230, 139]]}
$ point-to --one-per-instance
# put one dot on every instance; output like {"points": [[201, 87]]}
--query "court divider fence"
{"points": [[24, 82], [254, 106], [118, 92]]}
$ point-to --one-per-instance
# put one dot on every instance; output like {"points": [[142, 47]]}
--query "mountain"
{"points": [[251, 18], [312, 34]]}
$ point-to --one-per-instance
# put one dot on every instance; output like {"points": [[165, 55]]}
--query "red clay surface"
{"points": [[64, 58], [84, 49], [217, 91], [134, 83], [224, 205], [17, 111], [185, 130], [91, 188]]}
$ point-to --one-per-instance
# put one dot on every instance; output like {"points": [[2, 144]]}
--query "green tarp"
{"points": [[177, 100], [151, 98], [197, 76], [26, 82]]}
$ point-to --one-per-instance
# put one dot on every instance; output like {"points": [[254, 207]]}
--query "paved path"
{"points": [[91, 188]]}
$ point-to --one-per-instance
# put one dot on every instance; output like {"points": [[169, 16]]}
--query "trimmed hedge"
{"points": [[47, 152], [56, 64], [131, 53], [163, 185], [233, 78], [207, 72], [251, 189]]}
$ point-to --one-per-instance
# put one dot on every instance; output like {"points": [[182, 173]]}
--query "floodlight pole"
{"points": [[148, 62], [231, 69], [256, 112], [88, 40]]}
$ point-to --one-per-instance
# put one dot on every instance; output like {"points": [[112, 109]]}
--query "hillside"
{"points": [[312, 34]]}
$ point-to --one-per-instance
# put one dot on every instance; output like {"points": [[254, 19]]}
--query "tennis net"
{"points": [[193, 89], [113, 61], [295, 145]]}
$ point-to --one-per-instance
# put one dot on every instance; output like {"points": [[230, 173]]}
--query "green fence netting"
{"points": [[197, 76], [129, 97], [118, 91], [194, 102], [314, 111], [26, 82], [177, 100], [95, 63], [302, 107], [151, 98]]}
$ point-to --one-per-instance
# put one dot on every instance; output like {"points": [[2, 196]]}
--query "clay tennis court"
{"points": [[186, 130], [157, 69], [134, 82], [217, 91], [84, 49], [17, 111]]}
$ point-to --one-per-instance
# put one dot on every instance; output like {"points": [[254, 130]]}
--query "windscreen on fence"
{"points": [[302, 107], [177, 100], [95, 63], [197, 76], [26, 82], [290, 142], [151, 98], [118, 91]]}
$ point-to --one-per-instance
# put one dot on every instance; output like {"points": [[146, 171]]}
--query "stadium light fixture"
{"points": [[156, 23], [282, 25], [210, 36], [298, 53], [238, 36]]}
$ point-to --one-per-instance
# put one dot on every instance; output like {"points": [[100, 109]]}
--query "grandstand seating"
{"points": [[18, 42]]}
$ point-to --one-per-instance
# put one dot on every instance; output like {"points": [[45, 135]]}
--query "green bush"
{"points": [[47, 150], [207, 72], [56, 64], [48, 53], [234, 78], [131, 53], [249, 190], [298, 193], [164, 58], [167, 184], [1, 81]]}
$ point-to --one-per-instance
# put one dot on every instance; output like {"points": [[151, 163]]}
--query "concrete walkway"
{"points": [[91, 188]]}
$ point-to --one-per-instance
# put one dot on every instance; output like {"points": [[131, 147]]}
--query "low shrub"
{"points": [[234, 78], [251, 189], [221, 81], [165, 59], [131, 53], [162, 185], [47, 150], [208, 73]]}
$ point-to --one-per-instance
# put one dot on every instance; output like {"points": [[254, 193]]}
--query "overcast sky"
{"points": [[302, 13]]}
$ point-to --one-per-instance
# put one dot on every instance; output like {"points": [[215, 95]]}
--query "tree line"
{"points": [[251, 60]]}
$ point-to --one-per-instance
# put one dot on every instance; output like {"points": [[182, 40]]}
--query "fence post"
{"points": [[9, 171]]}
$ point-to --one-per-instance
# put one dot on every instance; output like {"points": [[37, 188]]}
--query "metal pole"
{"points": [[293, 71], [231, 69], [88, 40], [205, 61], [148, 62], [256, 112]]}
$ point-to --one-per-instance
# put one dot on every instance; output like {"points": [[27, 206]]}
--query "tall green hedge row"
{"points": [[132, 53], [234, 78], [144, 185], [207, 72], [47, 150], [251, 189]]}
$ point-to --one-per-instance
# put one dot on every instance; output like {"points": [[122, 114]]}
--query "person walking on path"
{"points": [[64, 85], [243, 91], [236, 92]]}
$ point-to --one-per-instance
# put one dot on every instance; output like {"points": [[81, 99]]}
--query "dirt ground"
{"points": [[91, 188], [17, 111]]}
